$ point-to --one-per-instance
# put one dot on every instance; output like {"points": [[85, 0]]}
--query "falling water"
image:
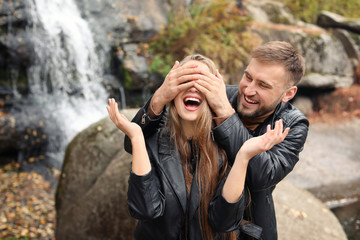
{"points": [[65, 81]]}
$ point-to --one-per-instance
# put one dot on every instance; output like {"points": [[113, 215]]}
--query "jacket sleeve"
{"points": [[224, 216], [268, 168], [144, 198], [147, 124]]}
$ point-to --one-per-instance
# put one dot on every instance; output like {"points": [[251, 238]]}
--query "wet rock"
{"points": [[124, 25]]}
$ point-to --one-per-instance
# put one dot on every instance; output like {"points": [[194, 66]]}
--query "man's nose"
{"points": [[250, 89]]}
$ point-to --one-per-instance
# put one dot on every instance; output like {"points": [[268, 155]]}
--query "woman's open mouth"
{"points": [[192, 103]]}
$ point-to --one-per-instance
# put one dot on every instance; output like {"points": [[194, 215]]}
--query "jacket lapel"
{"points": [[194, 197], [170, 162]]}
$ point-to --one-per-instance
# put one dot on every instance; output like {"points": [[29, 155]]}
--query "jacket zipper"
{"points": [[143, 118]]}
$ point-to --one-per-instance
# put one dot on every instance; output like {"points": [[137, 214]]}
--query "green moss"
{"points": [[275, 16], [127, 78], [308, 10]]}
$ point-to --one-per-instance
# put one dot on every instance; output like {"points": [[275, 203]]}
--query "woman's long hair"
{"points": [[205, 152]]}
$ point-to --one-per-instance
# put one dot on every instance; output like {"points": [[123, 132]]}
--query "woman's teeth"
{"points": [[192, 100]]}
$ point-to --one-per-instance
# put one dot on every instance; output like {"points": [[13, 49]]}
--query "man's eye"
{"points": [[264, 85]]}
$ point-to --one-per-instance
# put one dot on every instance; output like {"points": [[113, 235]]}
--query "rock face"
{"points": [[119, 27], [91, 193]]}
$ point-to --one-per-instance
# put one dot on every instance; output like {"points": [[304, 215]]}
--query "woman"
{"points": [[180, 186]]}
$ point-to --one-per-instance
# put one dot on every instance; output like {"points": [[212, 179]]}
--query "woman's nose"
{"points": [[193, 89]]}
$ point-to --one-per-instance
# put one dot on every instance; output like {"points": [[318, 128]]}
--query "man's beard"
{"points": [[258, 113]]}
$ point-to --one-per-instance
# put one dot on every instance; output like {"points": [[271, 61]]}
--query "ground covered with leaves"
{"points": [[27, 209]]}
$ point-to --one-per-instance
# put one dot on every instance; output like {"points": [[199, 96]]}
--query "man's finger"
{"points": [[184, 86], [202, 89], [204, 84], [187, 70]]}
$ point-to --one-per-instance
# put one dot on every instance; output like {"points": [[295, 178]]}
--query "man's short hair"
{"points": [[285, 54]]}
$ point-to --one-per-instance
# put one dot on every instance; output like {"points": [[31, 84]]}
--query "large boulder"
{"points": [[91, 193], [300, 215]]}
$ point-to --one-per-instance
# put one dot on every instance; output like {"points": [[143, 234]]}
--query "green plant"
{"points": [[308, 10], [215, 29]]}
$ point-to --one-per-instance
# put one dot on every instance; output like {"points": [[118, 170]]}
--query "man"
{"points": [[262, 98]]}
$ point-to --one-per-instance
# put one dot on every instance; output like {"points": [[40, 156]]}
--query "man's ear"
{"points": [[289, 94]]}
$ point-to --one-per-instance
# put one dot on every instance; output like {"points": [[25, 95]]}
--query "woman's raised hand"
{"points": [[129, 128], [256, 145]]}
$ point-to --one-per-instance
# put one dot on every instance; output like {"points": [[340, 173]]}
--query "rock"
{"points": [[300, 215], [123, 25], [91, 193], [16, 47], [332, 20], [317, 80], [349, 42], [304, 104], [137, 67], [269, 11]]}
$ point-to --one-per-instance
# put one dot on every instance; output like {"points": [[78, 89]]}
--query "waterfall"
{"points": [[66, 79]]}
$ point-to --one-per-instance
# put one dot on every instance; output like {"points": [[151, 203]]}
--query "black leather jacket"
{"points": [[159, 199], [265, 170]]}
